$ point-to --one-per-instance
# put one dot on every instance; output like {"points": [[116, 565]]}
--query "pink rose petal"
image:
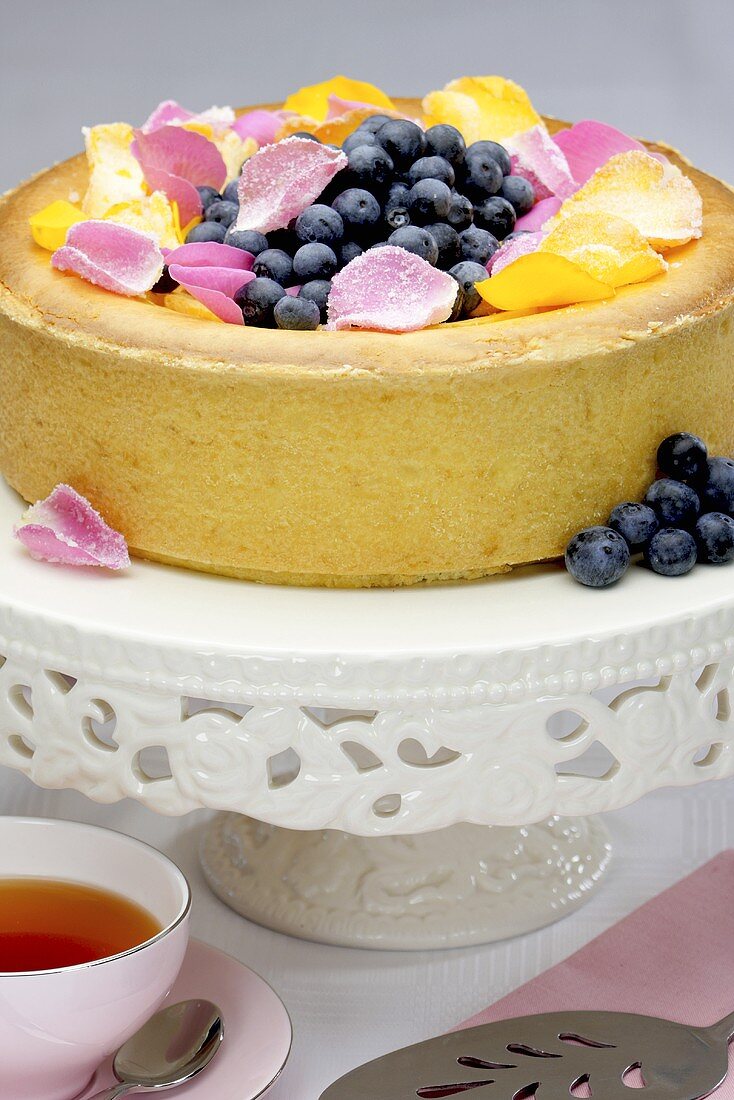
{"points": [[65, 529], [512, 250], [177, 161], [589, 144], [536, 156], [210, 254], [281, 180], [169, 112], [391, 290], [215, 287], [339, 106], [112, 256], [177, 190], [539, 215], [260, 125], [294, 291]]}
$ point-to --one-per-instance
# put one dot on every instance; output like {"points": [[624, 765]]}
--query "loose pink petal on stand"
{"points": [[112, 256], [65, 529], [167, 112], [512, 250], [211, 254], [260, 125], [536, 156], [390, 290], [281, 180], [539, 215], [590, 144], [215, 287]]}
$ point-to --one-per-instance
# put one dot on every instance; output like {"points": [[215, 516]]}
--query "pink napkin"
{"points": [[673, 957]]}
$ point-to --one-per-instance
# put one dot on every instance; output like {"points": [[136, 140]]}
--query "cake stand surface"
{"points": [[370, 737]]}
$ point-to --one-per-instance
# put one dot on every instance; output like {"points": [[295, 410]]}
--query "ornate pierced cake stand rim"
{"points": [[528, 635]]}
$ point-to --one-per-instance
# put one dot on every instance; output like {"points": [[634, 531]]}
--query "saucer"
{"points": [[257, 1028]]}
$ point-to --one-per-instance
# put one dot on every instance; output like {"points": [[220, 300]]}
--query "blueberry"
{"points": [[360, 211], [714, 535], [717, 494], [414, 239], [675, 504], [225, 213], [373, 123], [482, 176], [231, 193], [206, 231], [285, 239], [359, 137], [431, 168], [496, 215], [636, 523], [371, 167], [257, 300], [317, 291], [165, 284], [519, 192], [296, 313], [478, 245], [208, 195], [428, 201], [348, 251], [446, 141], [249, 240], [683, 456], [396, 206], [403, 140], [306, 134], [314, 261], [461, 212], [671, 552], [467, 274], [319, 223], [494, 150], [449, 245], [597, 557], [274, 263]]}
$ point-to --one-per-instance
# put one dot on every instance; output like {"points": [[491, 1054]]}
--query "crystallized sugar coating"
{"points": [[536, 156], [512, 250], [112, 256], [280, 181], [391, 290], [65, 529]]}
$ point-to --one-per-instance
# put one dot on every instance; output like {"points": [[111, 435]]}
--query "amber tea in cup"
{"points": [[47, 924]]}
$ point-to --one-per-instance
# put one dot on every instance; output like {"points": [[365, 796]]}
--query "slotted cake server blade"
{"points": [[553, 1055]]}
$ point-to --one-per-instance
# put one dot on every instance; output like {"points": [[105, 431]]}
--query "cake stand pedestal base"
{"points": [[467, 884]]}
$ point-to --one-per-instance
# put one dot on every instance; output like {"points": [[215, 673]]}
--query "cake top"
{"points": [[338, 209]]}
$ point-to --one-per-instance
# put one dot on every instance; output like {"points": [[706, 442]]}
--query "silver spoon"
{"points": [[175, 1045]]}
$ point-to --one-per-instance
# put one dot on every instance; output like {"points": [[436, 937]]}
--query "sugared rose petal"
{"points": [[50, 225], [391, 290], [215, 287], [656, 198], [262, 126], [281, 180], [536, 156], [589, 144], [454, 109], [512, 250], [609, 248], [541, 279], [171, 113], [504, 107], [115, 175], [65, 529], [177, 161], [539, 215], [313, 100], [210, 254], [112, 256]]}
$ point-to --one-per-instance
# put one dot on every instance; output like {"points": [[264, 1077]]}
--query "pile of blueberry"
{"points": [[424, 191], [686, 517]]}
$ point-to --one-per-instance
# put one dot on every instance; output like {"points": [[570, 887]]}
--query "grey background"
{"points": [[659, 68]]}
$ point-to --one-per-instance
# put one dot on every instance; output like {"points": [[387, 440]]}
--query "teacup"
{"points": [[57, 1026]]}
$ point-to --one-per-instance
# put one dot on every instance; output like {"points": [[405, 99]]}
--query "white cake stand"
{"points": [[362, 742]]}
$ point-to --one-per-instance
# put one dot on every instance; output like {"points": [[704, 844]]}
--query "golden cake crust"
{"points": [[355, 458]]}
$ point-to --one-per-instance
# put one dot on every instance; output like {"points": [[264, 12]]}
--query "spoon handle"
{"points": [[113, 1093]]}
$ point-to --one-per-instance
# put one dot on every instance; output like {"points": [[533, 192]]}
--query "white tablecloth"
{"points": [[348, 1006]]}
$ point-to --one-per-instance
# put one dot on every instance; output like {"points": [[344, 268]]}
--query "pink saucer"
{"points": [[257, 1029]]}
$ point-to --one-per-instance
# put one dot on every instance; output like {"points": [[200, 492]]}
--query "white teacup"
{"points": [[57, 1026]]}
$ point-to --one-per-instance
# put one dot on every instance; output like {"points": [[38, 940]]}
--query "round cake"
{"points": [[356, 458]]}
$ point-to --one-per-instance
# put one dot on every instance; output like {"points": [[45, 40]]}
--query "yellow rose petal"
{"points": [[505, 108], [152, 214], [313, 100], [607, 247], [455, 109], [50, 225], [542, 279]]}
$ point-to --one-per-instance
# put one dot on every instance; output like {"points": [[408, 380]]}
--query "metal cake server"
{"points": [[552, 1055]]}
